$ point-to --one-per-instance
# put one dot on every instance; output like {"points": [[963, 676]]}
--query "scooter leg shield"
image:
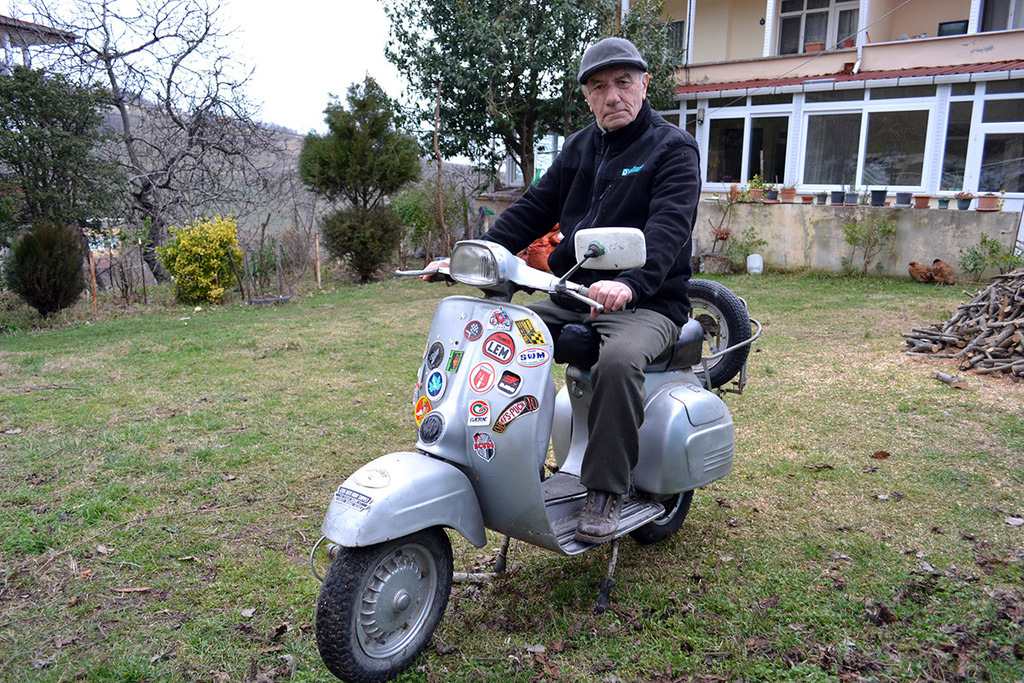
{"points": [[398, 494]]}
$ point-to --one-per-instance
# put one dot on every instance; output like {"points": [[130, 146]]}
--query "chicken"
{"points": [[536, 255], [920, 272], [943, 272]]}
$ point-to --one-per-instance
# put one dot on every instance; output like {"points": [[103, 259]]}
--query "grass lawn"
{"points": [[165, 473]]}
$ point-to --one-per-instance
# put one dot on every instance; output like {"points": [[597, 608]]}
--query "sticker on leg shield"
{"points": [[422, 408], [474, 330], [513, 411], [435, 355], [531, 335], [435, 384], [479, 414], [481, 378], [500, 320], [500, 347], [454, 361], [483, 445]]}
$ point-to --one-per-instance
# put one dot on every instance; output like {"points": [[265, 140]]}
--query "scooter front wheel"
{"points": [[378, 606], [676, 509]]}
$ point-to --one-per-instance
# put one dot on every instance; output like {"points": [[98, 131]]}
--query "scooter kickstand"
{"points": [[605, 595], [501, 560]]}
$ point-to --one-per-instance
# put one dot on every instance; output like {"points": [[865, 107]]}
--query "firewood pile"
{"points": [[986, 334]]}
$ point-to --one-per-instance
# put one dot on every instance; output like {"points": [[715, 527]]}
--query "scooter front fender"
{"points": [[398, 494]]}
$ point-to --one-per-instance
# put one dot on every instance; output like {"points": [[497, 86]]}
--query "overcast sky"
{"points": [[302, 52], [305, 50]]}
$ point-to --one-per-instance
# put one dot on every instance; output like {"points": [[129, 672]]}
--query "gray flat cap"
{"points": [[609, 52]]}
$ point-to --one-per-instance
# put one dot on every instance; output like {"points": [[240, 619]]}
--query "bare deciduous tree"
{"points": [[186, 132]]}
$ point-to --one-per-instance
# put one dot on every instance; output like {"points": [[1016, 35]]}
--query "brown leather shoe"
{"points": [[600, 517]]}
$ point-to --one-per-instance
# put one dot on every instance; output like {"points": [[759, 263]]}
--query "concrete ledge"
{"points": [[811, 235]]}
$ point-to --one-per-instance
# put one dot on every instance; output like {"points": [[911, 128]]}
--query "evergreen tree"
{"points": [[359, 164]]}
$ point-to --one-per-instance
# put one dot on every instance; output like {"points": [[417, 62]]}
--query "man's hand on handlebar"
{"points": [[435, 276], [611, 294]]}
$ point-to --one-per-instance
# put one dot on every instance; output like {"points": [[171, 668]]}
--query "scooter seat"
{"points": [[684, 353], [578, 345]]}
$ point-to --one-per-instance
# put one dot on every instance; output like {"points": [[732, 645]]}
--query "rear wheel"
{"points": [[725, 320], [676, 509], [378, 606]]}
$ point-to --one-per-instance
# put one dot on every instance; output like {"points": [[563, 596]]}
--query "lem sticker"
{"points": [[500, 347], [513, 411]]}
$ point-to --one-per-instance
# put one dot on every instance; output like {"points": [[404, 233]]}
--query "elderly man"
{"points": [[629, 168]]}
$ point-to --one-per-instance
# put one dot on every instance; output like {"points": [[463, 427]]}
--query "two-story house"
{"points": [[911, 95]]}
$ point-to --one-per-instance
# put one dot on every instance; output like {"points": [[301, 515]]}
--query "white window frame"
{"points": [[832, 36]]}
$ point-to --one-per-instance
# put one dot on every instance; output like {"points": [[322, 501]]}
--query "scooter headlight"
{"points": [[477, 263]]}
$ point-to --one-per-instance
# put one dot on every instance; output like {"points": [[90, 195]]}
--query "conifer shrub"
{"points": [[366, 238], [197, 257], [45, 267]]}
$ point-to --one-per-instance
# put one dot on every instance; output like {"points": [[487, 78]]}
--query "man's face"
{"points": [[615, 96]]}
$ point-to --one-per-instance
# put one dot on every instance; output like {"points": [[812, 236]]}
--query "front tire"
{"points": [[676, 509], [378, 606], [726, 322]]}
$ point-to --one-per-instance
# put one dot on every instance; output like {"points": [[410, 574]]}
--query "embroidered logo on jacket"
{"points": [[631, 171]]}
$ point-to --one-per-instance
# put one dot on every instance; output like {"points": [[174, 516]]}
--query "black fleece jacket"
{"points": [[644, 175]]}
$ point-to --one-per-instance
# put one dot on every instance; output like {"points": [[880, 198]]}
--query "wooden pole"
{"points": [[92, 273], [316, 258]]}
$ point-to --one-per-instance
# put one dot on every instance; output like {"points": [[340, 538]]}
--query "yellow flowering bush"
{"points": [[197, 259]]}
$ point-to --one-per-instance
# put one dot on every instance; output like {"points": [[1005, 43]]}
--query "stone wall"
{"points": [[811, 235]]}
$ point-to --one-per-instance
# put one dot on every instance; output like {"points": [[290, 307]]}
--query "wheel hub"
{"points": [[395, 600]]}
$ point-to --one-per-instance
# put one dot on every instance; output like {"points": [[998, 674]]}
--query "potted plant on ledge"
{"points": [[963, 200], [988, 202], [755, 188]]}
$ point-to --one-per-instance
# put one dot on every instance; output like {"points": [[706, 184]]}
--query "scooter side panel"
{"points": [[687, 440], [398, 494]]}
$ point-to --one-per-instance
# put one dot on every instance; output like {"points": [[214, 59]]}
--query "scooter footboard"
{"points": [[398, 494]]}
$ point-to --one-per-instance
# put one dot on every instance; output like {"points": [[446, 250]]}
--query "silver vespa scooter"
{"points": [[486, 410]]}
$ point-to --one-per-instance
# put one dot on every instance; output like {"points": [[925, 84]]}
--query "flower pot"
{"points": [[849, 42], [771, 195], [787, 194], [902, 199], [851, 199], [814, 46], [807, 198], [944, 203], [837, 197], [878, 197], [988, 202], [756, 194], [821, 197], [734, 192], [922, 201], [963, 203]]}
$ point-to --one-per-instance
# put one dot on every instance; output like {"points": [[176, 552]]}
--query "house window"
{"points": [[1000, 15], [767, 151], [830, 22], [830, 157], [677, 36], [958, 135], [1001, 167], [894, 153], [725, 150]]}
